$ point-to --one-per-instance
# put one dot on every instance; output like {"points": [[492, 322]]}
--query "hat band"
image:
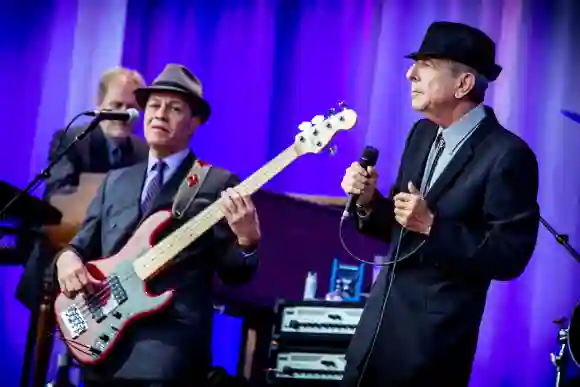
{"points": [[174, 85]]}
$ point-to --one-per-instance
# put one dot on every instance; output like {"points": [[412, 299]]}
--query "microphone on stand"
{"points": [[367, 159], [128, 116]]}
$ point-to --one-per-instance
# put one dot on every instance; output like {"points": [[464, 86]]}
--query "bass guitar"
{"points": [[91, 325]]}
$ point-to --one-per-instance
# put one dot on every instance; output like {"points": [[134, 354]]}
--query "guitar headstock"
{"points": [[315, 135]]}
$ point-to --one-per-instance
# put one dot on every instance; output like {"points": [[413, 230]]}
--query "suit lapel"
{"points": [[169, 189], [127, 200], [461, 158], [133, 186]]}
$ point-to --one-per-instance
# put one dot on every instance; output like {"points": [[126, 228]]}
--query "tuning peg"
{"points": [[304, 126], [342, 105], [332, 150], [317, 119], [331, 112]]}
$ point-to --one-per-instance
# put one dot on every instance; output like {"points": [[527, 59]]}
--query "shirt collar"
{"points": [[172, 161], [457, 131]]}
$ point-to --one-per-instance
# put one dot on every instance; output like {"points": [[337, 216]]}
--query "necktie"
{"points": [[439, 146], [117, 156], [153, 187]]}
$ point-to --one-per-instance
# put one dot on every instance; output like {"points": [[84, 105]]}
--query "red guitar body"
{"points": [[92, 324]]}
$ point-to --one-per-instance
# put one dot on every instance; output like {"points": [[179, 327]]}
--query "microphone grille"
{"points": [[370, 155], [133, 115]]}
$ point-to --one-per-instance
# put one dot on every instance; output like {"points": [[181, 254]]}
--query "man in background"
{"points": [[110, 146], [462, 212]]}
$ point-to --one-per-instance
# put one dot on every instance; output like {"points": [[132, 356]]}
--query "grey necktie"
{"points": [[439, 147]]}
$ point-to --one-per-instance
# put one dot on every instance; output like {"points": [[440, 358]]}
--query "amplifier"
{"points": [[317, 320], [316, 364]]}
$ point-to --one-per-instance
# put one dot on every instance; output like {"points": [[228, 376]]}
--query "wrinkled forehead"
{"points": [[439, 64]]}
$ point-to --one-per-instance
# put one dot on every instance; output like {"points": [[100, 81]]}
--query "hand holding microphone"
{"points": [[360, 180]]}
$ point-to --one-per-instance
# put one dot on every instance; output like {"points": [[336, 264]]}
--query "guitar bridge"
{"points": [[74, 321]]}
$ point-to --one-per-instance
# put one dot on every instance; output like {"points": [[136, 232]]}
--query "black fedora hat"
{"points": [[460, 43], [177, 79]]}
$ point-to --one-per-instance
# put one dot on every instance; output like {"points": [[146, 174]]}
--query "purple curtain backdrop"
{"points": [[269, 65]]}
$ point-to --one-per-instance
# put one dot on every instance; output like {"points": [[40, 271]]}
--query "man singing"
{"points": [[462, 213], [172, 348]]}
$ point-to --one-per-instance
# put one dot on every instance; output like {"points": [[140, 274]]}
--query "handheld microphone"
{"points": [[367, 159], [128, 116]]}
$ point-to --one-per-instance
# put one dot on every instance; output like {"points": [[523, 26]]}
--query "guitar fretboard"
{"points": [[161, 254]]}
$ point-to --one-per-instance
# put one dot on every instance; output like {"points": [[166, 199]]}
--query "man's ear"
{"points": [[194, 123], [465, 84]]}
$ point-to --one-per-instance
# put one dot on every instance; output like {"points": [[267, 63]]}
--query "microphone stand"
{"points": [[40, 319], [561, 239], [560, 358]]}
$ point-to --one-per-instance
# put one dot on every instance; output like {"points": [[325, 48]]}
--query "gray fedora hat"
{"points": [[177, 79]]}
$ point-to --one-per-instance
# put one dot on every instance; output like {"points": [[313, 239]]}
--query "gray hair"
{"points": [[477, 94], [133, 75]]}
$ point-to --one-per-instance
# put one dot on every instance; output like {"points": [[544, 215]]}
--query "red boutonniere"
{"points": [[191, 180]]}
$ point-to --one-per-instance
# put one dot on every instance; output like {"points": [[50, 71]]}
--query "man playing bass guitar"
{"points": [[172, 346]]}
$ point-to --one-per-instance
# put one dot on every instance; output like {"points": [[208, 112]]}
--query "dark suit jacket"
{"points": [[485, 228], [89, 155], [177, 340]]}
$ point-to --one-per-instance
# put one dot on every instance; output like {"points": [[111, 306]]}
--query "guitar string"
{"points": [[84, 306], [284, 159], [84, 309], [281, 157]]}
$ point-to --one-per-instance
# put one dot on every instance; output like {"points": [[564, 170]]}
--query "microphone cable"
{"points": [[390, 266], [391, 262]]}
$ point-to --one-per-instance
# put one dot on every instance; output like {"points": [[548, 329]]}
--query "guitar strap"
{"points": [[189, 189]]}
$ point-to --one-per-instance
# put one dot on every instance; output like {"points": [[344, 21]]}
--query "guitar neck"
{"points": [[162, 253]]}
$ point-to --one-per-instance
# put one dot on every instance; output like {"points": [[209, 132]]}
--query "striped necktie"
{"points": [[439, 146], [152, 189]]}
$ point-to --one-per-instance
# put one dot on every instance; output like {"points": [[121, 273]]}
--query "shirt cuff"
{"points": [[252, 253], [248, 251]]}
